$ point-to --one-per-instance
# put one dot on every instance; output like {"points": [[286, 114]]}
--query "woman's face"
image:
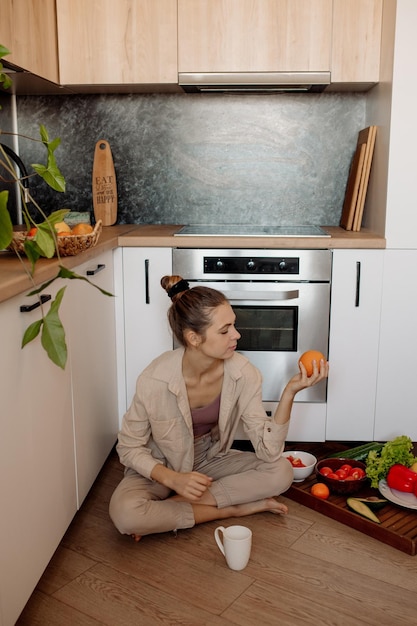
{"points": [[221, 335]]}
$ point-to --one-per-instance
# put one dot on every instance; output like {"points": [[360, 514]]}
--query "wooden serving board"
{"points": [[366, 137], [352, 188], [104, 184], [398, 527]]}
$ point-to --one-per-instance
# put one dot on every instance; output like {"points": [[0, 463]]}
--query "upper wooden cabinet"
{"points": [[254, 35], [28, 30], [356, 41], [124, 43]]}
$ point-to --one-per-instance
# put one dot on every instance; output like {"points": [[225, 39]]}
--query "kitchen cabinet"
{"points": [[356, 41], [37, 463], [146, 329], [28, 30], [353, 344], [58, 426], [253, 36], [395, 399], [90, 323], [135, 44]]}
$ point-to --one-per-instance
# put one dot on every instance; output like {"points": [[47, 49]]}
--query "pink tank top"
{"points": [[205, 417]]}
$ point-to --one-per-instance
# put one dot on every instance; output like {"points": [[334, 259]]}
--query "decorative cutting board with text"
{"points": [[104, 184]]}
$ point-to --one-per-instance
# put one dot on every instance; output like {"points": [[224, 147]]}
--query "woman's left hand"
{"points": [[302, 380]]}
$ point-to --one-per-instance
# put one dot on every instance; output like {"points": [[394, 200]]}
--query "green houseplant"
{"points": [[42, 244]]}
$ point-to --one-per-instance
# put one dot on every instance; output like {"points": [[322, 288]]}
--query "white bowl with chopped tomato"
{"points": [[303, 463]]}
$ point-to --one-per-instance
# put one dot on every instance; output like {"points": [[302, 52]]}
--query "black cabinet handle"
{"points": [[147, 297], [25, 308], [100, 266], [358, 282]]}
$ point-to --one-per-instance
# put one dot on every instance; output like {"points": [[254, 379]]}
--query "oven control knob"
{"points": [[250, 265], [220, 266], [282, 265]]}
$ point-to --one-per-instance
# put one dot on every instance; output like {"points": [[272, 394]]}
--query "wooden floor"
{"points": [[304, 569]]}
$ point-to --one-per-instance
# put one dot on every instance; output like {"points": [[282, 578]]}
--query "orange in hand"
{"points": [[307, 360], [320, 490]]}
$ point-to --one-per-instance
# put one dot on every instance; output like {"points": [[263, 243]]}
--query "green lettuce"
{"points": [[396, 451]]}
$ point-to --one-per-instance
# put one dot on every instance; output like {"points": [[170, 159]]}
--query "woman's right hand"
{"points": [[190, 485]]}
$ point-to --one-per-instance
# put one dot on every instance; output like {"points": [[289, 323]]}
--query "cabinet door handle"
{"points": [[147, 298], [100, 266], [26, 308], [358, 282]]}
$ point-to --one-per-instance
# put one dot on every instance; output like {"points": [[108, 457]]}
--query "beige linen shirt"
{"points": [[157, 427]]}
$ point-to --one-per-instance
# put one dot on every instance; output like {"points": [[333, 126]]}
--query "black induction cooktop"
{"points": [[248, 230]]}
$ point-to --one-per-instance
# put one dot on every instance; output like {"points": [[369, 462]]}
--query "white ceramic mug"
{"points": [[236, 545]]}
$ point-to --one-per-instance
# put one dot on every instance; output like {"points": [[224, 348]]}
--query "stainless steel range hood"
{"points": [[253, 82]]}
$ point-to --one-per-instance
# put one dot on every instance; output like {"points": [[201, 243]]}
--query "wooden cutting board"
{"points": [[367, 137], [352, 188], [104, 184]]}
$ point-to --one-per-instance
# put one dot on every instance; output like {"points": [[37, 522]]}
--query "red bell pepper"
{"points": [[401, 478]]}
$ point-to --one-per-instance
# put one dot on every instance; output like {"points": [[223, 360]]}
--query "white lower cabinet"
{"points": [[353, 344], [146, 329], [57, 426], [37, 462], [92, 341], [396, 387]]}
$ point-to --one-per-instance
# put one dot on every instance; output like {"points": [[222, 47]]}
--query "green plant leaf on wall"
{"points": [[6, 226], [50, 173]]}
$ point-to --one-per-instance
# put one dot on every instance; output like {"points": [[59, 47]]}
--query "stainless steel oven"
{"points": [[281, 299]]}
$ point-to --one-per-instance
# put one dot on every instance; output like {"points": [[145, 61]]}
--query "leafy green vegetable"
{"points": [[396, 451]]}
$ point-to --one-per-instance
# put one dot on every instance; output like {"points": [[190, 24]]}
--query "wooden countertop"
{"points": [[13, 279], [163, 235]]}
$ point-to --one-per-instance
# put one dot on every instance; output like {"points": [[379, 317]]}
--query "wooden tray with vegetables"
{"points": [[390, 522]]}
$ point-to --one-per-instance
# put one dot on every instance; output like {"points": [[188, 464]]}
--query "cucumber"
{"points": [[373, 502], [360, 453], [363, 509]]}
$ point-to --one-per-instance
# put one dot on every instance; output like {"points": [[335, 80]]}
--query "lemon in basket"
{"points": [[62, 227]]}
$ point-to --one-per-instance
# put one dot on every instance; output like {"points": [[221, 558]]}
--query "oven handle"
{"points": [[262, 295]]}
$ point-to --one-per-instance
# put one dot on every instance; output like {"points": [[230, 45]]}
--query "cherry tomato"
{"points": [[346, 467], [325, 471], [333, 475], [32, 232], [341, 473], [357, 473]]}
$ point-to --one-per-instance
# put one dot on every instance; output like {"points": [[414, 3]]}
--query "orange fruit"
{"points": [[32, 232], [64, 234], [82, 229], [320, 490], [307, 360]]}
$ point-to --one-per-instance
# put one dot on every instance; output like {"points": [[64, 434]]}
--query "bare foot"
{"points": [[268, 504], [136, 537]]}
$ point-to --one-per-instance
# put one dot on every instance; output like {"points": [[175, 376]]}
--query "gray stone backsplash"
{"points": [[202, 159]]}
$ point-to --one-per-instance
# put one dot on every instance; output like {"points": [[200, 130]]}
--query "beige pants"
{"points": [[141, 506]]}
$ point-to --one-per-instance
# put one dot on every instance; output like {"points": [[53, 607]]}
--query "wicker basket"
{"points": [[68, 245]]}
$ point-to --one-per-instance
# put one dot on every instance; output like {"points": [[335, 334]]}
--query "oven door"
{"points": [[278, 321]]}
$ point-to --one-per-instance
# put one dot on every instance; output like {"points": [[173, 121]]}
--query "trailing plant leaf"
{"points": [[6, 226], [50, 173], [4, 78], [53, 333], [32, 252], [31, 332], [66, 273]]}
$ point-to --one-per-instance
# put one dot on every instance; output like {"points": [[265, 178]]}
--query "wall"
{"points": [[281, 159]]}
